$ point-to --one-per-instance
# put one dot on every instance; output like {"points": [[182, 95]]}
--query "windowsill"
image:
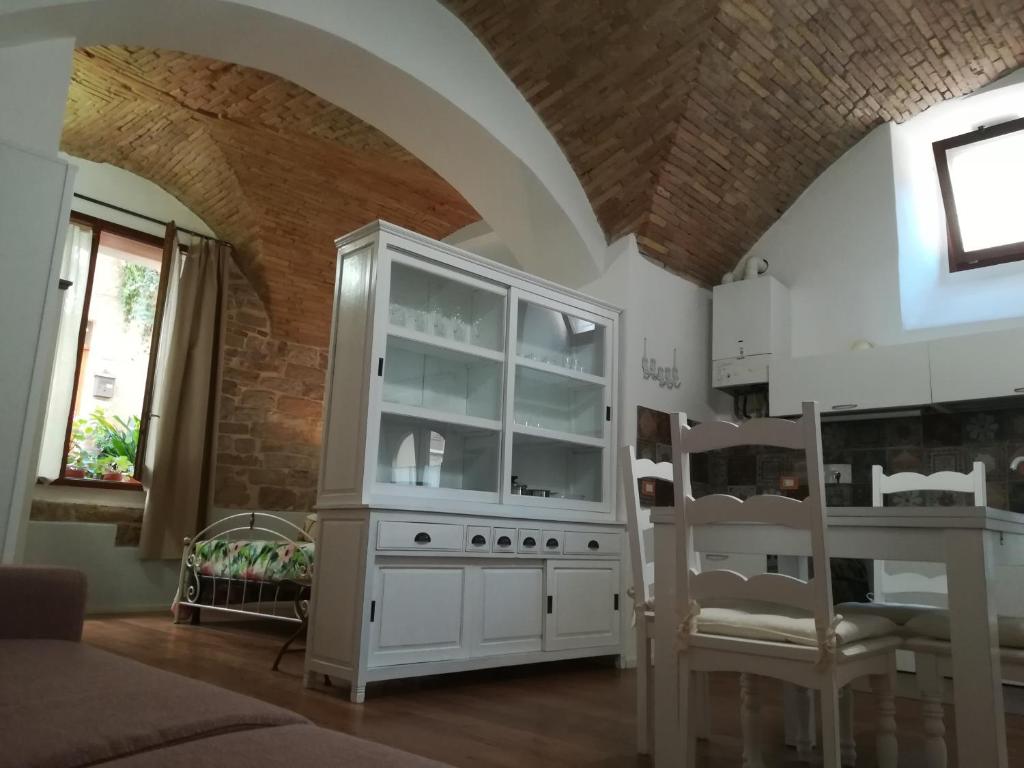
{"points": [[109, 485]]}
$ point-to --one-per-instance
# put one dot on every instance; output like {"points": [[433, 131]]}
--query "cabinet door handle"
{"points": [[592, 544], [373, 610], [380, 366], [504, 541], [551, 543], [529, 541], [551, 603], [615, 602], [478, 540], [422, 538]]}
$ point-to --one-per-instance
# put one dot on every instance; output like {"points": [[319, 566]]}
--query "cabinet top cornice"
{"points": [[381, 226]]}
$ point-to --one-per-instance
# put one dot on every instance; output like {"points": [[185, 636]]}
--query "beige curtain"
{"points": [[181, 450]]}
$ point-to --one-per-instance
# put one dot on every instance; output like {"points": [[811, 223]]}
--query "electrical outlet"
{"points": [[838, 473]]}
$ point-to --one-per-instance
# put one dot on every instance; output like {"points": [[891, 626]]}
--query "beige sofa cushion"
{"points": [[936, 625], [302, 746], [64, 705], [758, 621]]}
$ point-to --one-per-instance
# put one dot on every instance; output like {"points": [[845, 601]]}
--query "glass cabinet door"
{"points": [[559, 409], [442, 395]]}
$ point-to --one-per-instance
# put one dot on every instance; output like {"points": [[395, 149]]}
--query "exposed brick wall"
{"points": [[696, 123], [271, 167], [127, 519], [268, 438]]}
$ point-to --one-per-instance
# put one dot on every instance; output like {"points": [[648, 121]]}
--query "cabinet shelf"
{"points": [[539, 435], [459, 351], [440, 417], [558, 370]]}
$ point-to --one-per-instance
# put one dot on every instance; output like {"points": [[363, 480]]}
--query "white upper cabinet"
{"points": [[460, 385], [978, 366], [884, 377]]}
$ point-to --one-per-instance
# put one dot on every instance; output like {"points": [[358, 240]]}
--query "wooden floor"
{"points": [[566, 714]]}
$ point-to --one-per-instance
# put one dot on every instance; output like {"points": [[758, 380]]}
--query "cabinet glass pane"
{"points": [[446, 309], [433, 454], [560, 339], [423, 376], [562, 469], [551, 401]]}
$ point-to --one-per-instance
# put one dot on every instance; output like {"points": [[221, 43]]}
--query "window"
{"points": [[980, 175], [102, 381]]}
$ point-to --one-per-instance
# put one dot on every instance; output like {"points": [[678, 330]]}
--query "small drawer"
{"points": [[478, 538], [392, 534], [504, 540], [529, 540], [552, 542], [592, 543]]}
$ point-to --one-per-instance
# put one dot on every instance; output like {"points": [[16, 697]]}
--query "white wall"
{"points": [[862, 250], [117, 186], [34, 84]]}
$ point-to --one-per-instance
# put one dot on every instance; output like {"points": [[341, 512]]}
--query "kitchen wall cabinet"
{"points": [[884, 377], [977, 366]]}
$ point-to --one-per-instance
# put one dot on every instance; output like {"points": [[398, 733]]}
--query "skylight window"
{"points": [[980, 176]]}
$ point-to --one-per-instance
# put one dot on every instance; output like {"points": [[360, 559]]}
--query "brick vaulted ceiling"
{"points": [[696, 123], [272, 168]]}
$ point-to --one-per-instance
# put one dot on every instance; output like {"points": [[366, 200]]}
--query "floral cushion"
{"points": [[254, 560]]}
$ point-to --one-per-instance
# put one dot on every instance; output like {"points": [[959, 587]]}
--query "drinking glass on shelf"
{"points": [[397, 314], [460, 328], [420, 320], [442, 325]]}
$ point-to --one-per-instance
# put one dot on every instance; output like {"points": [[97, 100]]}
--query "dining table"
{"points": [[971, 541]]}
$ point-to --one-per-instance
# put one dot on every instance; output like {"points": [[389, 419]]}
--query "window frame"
{"points": [[98, 226], [959, 259]]}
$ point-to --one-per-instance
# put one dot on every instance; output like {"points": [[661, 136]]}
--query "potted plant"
{"points": [[80, 458], [113, 468]]}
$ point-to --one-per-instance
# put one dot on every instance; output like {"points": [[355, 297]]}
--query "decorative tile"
{"points": [[904, 460], [742, 470], [833, 437], [862, 462], [839, 495], [742, 491], [903, 433], [981, 428], [646, 449], [865, 434], [770, 466], [905, 499], [663, 452], [647, 423], [861, 495], [943, 429], [945, 460], [998, 495], [992, 456], [1013, 422]]}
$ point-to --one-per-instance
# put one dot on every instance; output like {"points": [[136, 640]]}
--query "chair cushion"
{"points": [[897, 613], [775, 623], [935, 625]]}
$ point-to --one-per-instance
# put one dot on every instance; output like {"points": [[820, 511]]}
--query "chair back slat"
{"points": [[723, 508], [813, 595], [638, 518], [762, 588], [715, 435], [972, 482]]}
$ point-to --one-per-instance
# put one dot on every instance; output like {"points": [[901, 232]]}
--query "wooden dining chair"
{"points": [[641, 551], [771, 625], [928, 629]]}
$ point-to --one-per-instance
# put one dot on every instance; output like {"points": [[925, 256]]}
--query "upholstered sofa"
{"points": [[64, 704]]}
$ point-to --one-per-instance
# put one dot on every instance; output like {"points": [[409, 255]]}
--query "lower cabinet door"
{"points": [[510, 609], [417, 614], [582, 608]]}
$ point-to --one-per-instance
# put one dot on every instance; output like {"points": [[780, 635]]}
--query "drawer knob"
{"points": [[504, 541], [592, 544], [529, 541], [422, 538], [551, 543], [478, 540]]}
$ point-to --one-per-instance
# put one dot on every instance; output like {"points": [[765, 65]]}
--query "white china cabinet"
{"points": [[466, 502]]}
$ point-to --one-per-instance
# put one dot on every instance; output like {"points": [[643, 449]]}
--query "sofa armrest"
{"points": [[41, 602]]}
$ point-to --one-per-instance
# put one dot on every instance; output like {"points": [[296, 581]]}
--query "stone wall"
{"points": [[268, 440]]}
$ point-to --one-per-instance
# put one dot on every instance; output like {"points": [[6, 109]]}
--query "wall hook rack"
{"points": [[665, 376]]}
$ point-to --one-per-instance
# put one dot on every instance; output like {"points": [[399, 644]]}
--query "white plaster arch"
{"points": [[408, 67]]}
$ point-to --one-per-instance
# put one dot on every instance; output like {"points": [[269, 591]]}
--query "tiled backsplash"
{"points": [[926, 443]]}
